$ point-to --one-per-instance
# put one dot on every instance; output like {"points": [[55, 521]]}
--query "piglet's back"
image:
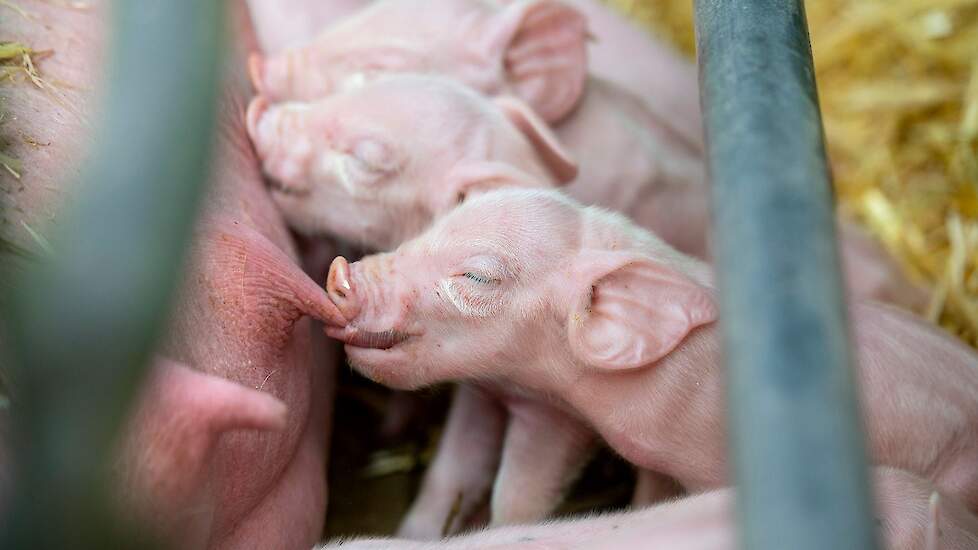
{"points": [[929, 381]]}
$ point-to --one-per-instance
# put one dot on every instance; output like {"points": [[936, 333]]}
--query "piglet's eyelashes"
{"points": [[483, 270], [475, 288], [481, 278]]}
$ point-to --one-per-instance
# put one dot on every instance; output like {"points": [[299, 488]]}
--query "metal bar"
{"points": [[796, 435], [83, 325]]}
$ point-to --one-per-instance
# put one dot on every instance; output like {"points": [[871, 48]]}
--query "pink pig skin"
{"points": [[339, 152], [637, 157], [461, 476], [168, 451], [492, 446], [324, 187], [375, 165], [621, 52], [906, 512], [280, 24], [531, 49], [531, 291], [494, 438], [240, 322], [346, 167]]}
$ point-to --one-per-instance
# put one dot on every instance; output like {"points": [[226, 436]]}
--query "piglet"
{"points": [[911, 515], [529, 292], [374, 165]]}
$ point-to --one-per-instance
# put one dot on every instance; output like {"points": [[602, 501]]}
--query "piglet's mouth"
{"points": [[366, 339]]}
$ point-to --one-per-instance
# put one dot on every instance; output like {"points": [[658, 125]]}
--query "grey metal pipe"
{"points": [[796, 436], [82, 326]]}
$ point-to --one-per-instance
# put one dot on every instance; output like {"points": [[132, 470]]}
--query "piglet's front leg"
{"points": [[653, 488], [460, 478], [539, 451], [543, 453]]}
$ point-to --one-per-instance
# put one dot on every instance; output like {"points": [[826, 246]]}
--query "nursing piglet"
{"points": [[529, 292], [911, 515]]}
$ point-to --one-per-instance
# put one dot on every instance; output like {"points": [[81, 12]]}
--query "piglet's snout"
{"points": [[256, 71], [272, 76], [340, 288], [256, 110]]}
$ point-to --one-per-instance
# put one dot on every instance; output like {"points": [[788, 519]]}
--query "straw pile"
{"points": [[898, 82]]}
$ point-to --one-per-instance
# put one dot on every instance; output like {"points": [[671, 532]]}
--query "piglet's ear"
{"points": [[474, 177], [543, 47], [633, 311], [557, 159]]}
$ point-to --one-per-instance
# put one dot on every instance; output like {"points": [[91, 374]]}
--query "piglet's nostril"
{"points": [[340, 288]]}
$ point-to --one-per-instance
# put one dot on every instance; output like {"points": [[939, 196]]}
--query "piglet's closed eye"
{"points": [[633, 311]]}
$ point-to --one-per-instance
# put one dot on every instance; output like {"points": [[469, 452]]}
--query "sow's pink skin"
{"points": [[911, 516], [228, 448], [633, 158], [530, 292]]}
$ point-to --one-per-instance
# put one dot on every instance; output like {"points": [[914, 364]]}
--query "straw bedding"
{"points": [[898, 83]]}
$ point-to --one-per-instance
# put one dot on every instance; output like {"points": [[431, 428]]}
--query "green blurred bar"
{"points": [[83, 325], [796, 437]]}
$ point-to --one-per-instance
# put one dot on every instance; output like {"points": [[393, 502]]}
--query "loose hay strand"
{"points": [[11, 165], [42, 243]]}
